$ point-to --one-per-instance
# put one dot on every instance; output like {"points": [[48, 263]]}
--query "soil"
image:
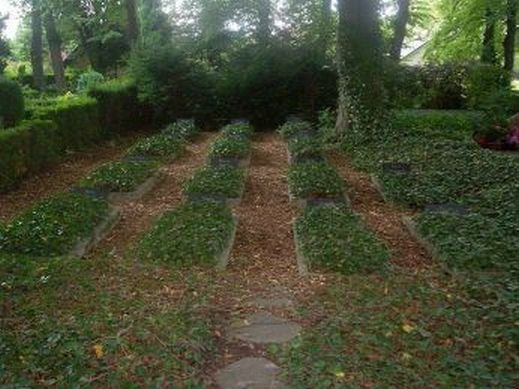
{"points": [[61, 177]]}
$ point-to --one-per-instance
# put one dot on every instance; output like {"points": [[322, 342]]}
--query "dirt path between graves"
{"points": [[263, 262], [61, 176], [383, 218], [138, 216]]}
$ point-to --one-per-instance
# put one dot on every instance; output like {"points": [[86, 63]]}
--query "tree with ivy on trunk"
{"points": [[361, 107]]}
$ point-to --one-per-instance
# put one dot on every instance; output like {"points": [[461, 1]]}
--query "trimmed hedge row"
{"points": [[59, 125]]}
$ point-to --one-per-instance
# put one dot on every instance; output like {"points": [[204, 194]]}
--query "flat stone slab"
{"points": [[265, 328], [250, 373]]}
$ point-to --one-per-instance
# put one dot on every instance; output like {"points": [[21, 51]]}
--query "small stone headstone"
{"points": [[452, 208], [240, 121], [206, 198], [325, 202], [396, 168], [138, 158], [294, 118]]}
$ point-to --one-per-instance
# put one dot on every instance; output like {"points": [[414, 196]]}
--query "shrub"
{"points": [[238, 130], [230, 147], [119, 107], [88, 81], [333, 239], [12, 103], [223, 182], [161, 146], [120, 176], [314, 180], [485, 82], [194, 234], [27, 148], [53, 227]]}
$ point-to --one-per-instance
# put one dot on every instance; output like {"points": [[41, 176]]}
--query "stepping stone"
{"points": [[250, 373], [265, 328]]}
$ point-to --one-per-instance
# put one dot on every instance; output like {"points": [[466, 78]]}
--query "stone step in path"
{"points": [[259, 328]]}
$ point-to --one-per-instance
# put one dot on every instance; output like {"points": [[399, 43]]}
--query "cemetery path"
{"points": [[61, 176], [383, 218], [138, 216]]}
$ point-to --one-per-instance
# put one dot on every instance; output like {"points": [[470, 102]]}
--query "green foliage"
{"points": [[161, 146], [483, 82], [417, 329], [244, 131], [52, 227], [315, 180], [334, 239], [230, 147], [5, 50], [222, 182], [194, 234], [119, 107], [120, 176], [12, 103], [305, 147], [89, 80], [182, 129], [26, 149], [293, 128]]}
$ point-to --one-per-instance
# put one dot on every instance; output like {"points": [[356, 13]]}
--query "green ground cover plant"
{"points": [[182, 129], [64, 331], [230, 147], [218, 182], [194, 234], [332, 238], [121, 176], [421, 329], [159, 146], [301, 147], [52, 227], [315, 179], [293, 128], [239, 130]]}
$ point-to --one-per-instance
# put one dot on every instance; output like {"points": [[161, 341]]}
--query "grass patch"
{"points": [[229, 147], [159, 146], [194, 234], [53, 227], [221, 182], [334, 239], [120, 176], [315, 179], [409, 330]]}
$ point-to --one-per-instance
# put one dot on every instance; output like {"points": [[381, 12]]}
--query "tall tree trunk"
{"points": [[400, 29], [325, 30], [54, 41], [511, 29], [264, 21], [133, 23], [37, 46], [488, 54], [360, 64]]}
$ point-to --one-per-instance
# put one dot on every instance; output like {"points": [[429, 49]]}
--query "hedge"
{"points": [[120, 110]]}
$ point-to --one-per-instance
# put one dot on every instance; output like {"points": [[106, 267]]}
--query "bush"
{"points": [[194, 234], [161, 146], [25, 149], [88, 81], [120, 110], [334, 239], [11, 103], [120, 176], [484, 84], [53, 227], [223, 182], [302, 147], [238, 131], [315, 180]]}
